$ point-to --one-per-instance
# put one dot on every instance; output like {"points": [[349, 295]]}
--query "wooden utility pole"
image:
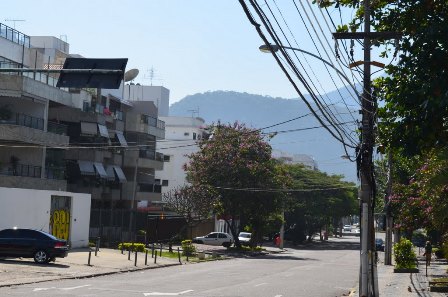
{"points": [[368, 285]]}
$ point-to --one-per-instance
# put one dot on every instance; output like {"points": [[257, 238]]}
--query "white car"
{"points": [[215, 238], [244, 237], [348, 228]]}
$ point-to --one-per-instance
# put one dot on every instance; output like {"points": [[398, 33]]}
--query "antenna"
{"points": [[151, 75], [194, 111], [14, 22]]}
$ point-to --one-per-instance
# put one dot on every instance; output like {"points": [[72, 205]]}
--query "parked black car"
{"points": [[379, 244], [28, 243]]}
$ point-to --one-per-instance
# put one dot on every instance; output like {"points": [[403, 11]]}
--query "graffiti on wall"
{"points": [[60, 223]]}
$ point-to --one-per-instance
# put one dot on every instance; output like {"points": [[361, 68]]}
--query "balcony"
{"points": [[37, 87], [146, 159], [29, 177], [146, 124], [144, 191], [14, 35], [28, 129]]}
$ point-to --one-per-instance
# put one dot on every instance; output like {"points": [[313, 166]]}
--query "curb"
{"points": [[91, 275]]}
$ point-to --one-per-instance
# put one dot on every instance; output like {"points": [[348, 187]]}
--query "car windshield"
{"points": [[245, 235]]}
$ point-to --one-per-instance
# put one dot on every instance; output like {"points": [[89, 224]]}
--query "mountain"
{"points": [[263, 111]]}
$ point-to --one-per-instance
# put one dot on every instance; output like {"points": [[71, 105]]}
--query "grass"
{"points": [[174, 255]]}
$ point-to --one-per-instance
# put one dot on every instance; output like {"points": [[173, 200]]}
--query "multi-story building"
{"points": [[76, 140], [306, 160], [181, 136]]}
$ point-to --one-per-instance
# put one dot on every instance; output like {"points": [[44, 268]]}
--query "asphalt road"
{"points": [[326, 269]]}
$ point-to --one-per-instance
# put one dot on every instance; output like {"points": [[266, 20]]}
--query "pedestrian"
{"points": [[428, 253]]}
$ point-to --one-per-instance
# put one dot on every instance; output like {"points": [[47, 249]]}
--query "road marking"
{"points": [[43, 289], [278, 295], [167, 294], [262, 284], [74, 288]]}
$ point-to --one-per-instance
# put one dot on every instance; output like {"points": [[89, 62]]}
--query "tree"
{"points": [[236, 161], [317, 199], [195, 204], [414, 91]]}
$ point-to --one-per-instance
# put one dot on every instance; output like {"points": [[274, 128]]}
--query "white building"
{"points": [[306, 160], [179, 131], [64, 214]]}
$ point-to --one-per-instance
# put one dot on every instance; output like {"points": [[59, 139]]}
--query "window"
{"points": [[157, 181], [187, 134], [165, 183], [194, 136], [222, 235], [212, 235], [166, 158]]}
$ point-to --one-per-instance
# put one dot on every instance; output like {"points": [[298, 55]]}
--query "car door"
{"points": [[211, 239], [27, 242], [8, 242], [222, 238]]}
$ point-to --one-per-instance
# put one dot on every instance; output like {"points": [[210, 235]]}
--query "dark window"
{"points": [[157, 181], [166, 158], [9, 233], [187, 134], [222, 235], [213, 235], [194, 136], [165, 183]]}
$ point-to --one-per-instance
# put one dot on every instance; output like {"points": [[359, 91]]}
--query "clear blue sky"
{"points": [[194, 46]]}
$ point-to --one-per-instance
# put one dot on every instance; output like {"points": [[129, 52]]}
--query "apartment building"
{"points": [[73, 140], [181, 137]]}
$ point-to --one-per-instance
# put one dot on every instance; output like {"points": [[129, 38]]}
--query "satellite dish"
{"points": [[130, 74]]}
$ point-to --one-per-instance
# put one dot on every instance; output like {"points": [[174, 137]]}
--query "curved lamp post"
{"points": [[272, 48]]}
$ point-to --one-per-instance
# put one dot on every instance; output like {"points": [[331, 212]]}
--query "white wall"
{"points": [[176, 129], [25, 208]]}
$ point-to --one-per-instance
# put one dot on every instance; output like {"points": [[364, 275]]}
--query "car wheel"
{"points": [[40, 257]]}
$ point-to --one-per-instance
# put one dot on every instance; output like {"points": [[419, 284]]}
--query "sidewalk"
{"points": [[108, 261], [410, 284]]}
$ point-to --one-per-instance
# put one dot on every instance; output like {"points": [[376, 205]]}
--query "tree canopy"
{"points": [[236, 161]]}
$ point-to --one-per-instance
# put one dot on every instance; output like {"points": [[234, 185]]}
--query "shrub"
{"points": [[404, 254], [188, 248], [134, 247]]}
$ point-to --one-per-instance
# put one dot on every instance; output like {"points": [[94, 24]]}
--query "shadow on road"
{"points": [[326, 245]]}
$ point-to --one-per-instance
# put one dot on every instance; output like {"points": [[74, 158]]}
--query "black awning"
{"points": [[121, 139], [86, 167], [100, 170], [120, 174], [86, 79]]}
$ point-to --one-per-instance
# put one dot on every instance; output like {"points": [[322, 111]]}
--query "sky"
{"points": [[193, 46]]}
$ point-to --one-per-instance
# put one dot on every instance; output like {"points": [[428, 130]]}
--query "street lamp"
{"points": [[272, 48]]}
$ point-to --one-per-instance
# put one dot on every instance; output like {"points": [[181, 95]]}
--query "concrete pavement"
{"points": [[108, 261]]}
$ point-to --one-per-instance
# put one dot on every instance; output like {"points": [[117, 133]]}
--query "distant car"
{"points": [[348, 228], [379, 244], [29, 243], [244, 237], [215, 238]]}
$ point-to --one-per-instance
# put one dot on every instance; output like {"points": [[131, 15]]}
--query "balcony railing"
{"points": [[14, 35], [151, 188], [152, 155], [151, 121], [22, 119], [57, 128]]}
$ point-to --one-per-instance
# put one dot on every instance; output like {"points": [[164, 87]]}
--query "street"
{"points": [[323, 269]]}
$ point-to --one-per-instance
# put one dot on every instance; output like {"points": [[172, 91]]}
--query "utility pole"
{"points": [[389, 219], [368, 285]]}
